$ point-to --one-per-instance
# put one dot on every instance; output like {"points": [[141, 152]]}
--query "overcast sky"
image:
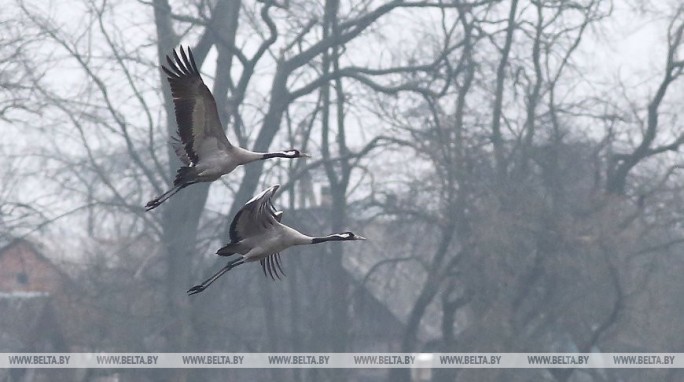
{"points": [[629, 47]]}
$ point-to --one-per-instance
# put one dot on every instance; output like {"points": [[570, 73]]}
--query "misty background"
{"points": [[514, 164]]}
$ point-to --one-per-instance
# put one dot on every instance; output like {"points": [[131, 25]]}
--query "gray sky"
{"points": [[629, 47]]}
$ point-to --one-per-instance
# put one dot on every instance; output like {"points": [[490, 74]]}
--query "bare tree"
{"points": [[506, 221], [622, 164]]}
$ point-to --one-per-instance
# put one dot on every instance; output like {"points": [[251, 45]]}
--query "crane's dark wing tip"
{"points": [[277, 261], [192, 61], [169, 73], [272, 265], [181, 66]]}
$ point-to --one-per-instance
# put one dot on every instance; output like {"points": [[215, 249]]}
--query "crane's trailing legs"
{"points": [[185, 176], [156, 202], [199, 288]]}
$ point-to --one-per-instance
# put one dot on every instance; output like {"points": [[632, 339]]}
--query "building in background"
{"points": [[29, 284]]}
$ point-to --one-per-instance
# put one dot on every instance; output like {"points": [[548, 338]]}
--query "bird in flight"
{"points": [[203, 148], [256, 233]]}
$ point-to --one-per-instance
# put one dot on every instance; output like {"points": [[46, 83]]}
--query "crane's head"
{"points": [[292, 153], [344, 236]]}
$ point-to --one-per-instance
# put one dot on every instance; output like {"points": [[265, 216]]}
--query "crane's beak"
{"points": [[357, 237], [272, 190]]}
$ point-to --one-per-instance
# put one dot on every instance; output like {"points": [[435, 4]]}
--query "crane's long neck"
{"points": [[333, 237], [298, 238], [276, 154], [246, 156], [295, 237]]}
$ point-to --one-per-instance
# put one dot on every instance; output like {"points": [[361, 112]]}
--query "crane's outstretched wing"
{"points": [[256, 217], [180, 151], [199, 126], [272, 263]]}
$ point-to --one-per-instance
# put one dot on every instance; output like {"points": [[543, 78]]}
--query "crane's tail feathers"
{"points": [[185, 176], [199, 288], [228, 249]]}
